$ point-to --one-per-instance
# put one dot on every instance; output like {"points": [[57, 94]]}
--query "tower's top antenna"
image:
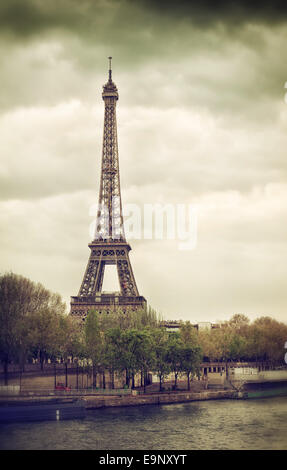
{"points": [[110, 68], [110, 89]]}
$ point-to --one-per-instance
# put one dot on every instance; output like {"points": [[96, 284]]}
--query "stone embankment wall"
{"points": [[93, 402]]}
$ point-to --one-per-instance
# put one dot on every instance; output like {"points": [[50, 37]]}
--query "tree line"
{"points": [[140, 348], [34, 324]]}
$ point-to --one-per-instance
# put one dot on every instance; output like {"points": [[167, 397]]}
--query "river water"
{"points": [[224, 424]]}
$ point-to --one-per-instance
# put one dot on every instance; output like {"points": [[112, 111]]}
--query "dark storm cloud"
{"points": [[25, 18], [207, 12]]}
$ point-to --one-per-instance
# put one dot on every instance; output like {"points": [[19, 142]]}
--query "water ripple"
{"points": [[226, 424]]}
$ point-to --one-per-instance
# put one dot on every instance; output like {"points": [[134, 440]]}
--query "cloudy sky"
{"points": [[202, 120]]}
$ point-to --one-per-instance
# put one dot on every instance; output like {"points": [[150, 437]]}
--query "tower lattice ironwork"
{"points": [[109, 245]]}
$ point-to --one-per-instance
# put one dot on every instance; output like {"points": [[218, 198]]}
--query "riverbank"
{"points": [[198, 425], [93, 402], [39, 408]]}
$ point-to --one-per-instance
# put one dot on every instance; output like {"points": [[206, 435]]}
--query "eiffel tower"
{"points": [[109, 246]]}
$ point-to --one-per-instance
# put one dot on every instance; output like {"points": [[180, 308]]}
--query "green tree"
{"points": [[267, 339], [143, 346], [115, 352], [16, 294], [191, 357], [237, 347], [161, 367], [191, 352], [21, 301], [188, 333], [43, 330], [71, 341], [128, 319], [174, 354], [94, 343], [209, 341], [239, 323]]}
